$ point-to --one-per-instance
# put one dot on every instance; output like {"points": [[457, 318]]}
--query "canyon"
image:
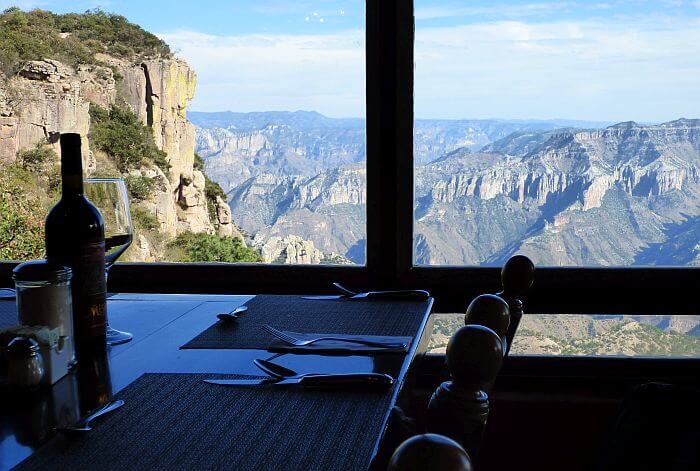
{"points": [[624, 194]]}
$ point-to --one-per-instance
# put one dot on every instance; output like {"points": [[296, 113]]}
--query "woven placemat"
{"points": [[176, 421], [8, 313], [397, 318]]}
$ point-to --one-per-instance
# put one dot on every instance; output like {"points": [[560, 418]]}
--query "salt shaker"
{"points": [[25, 368], [44, 299]]}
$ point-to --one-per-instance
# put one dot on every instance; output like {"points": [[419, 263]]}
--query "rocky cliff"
{"points": [[573, 197], [622, 195], [47, 98]]}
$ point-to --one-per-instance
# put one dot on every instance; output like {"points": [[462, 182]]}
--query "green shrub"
{"points": [[212, 248], [212, 190], [119, 133], [140, 188], [198, 162], [21, 215], [36, 157], [160, 158], [34, 35], [145, 219]]}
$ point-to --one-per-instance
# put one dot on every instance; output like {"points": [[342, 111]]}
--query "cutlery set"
{"points": [[279, 375], [282, 376]]}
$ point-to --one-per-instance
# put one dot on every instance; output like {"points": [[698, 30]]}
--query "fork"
{"points": [[297, 342]]}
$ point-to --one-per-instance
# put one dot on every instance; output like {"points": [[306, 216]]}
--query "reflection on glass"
{"points": [[110, 197]]}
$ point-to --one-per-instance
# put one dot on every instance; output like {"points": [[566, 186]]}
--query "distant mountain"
{"points": [[628, 194], [238, 146], [623, 195]]}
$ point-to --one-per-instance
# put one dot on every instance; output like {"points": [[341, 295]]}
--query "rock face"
{"points": [[572, 197], [43, 101], [327, 209], [48, 98], [291, 249]]}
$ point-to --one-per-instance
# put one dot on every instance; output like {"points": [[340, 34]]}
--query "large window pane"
{"points": [[563, 131], [238, 126]]}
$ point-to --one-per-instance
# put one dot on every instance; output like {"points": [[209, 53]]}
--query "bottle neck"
{"points": [[72, 185], [71, 165]]}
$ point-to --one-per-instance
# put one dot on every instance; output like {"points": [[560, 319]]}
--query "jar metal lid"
{"points": [[41, 271], [23, 345]]}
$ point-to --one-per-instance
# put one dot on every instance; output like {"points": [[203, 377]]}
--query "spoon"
{"points": [[233, 315], [83, 425], [273, 369], [346, 292]]}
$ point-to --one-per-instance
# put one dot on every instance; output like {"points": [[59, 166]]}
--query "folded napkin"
{"points": [[337, 346]]}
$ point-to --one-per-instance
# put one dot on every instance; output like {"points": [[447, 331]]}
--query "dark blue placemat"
{"points": [[176, 421], [8, 313], [365, 317]]}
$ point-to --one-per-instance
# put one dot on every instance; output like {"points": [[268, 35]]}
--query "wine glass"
{"points": [[110, 197]]}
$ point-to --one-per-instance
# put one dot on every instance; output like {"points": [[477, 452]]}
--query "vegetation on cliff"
{"points": [[211, 248], [122, 144], [585, 335], [119, 133], [72, 38], [28, 188], [212, 190]]}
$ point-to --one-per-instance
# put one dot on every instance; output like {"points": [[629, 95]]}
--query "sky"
{"points": [[588, 60]]}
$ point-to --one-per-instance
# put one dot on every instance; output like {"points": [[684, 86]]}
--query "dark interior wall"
{"points": [[552, 413]]}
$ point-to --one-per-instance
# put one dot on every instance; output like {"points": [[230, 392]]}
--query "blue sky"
{"points": [[594, 60]]}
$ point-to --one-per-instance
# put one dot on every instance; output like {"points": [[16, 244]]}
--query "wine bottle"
{"points": [[75, 236]]}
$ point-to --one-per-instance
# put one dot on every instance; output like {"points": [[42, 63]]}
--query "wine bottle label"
{"points": [[90, 292]]}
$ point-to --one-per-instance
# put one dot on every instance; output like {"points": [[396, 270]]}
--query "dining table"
{"points": [[172, 418]]}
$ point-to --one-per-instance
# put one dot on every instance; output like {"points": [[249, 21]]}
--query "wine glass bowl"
{"points": [[109, 195]]}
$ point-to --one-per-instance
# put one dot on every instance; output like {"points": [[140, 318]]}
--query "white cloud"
{"points": [[451, 11], [642, 68], [270, 72]]}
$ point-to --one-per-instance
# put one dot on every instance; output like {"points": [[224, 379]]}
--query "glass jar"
{"points": [[44, 299], [25, 367]]}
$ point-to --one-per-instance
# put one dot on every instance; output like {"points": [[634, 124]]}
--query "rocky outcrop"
{"points": [[194, 215], [291, 249], [643, 161], [159, 92], [48, 98], [41, 102]]}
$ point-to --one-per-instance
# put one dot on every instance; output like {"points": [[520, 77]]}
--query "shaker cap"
{"points": [[41, 271], [23, 345]]}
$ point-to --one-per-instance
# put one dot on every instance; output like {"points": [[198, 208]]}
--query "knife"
{"points": [[418, 295], [369, 380]]}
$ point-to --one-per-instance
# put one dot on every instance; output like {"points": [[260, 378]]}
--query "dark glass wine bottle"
{"points": [[75, 236]]}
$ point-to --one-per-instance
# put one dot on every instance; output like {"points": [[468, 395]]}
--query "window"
{"points": [[565, 132], [239, 128], [383, 248]]}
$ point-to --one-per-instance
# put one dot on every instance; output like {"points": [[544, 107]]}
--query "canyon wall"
{"points": [[47, 98]]}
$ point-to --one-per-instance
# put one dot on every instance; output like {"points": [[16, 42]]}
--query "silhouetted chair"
{"points": [[430, 452], [459, 408], [658, 428]]}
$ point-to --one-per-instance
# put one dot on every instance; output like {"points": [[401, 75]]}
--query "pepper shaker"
{"points": [[25, 367]]}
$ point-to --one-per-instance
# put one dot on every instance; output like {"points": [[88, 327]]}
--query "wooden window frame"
{"points": [[390, 31]]}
